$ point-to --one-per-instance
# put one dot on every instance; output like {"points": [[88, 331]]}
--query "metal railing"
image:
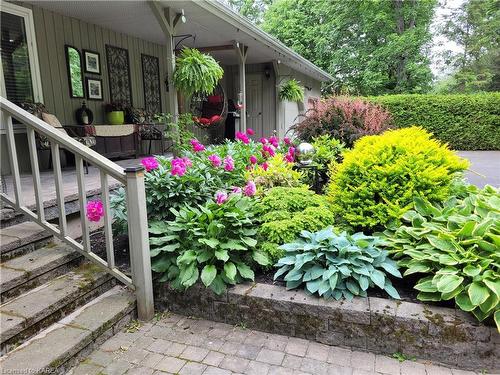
{"points": [[131, 178]]}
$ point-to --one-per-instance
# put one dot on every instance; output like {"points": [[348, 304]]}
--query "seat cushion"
{"points": [[53, 120]]}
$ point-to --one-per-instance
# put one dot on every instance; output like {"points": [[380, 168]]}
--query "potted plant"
{"points": [[196, 72], [291, 91], [115, 113]]}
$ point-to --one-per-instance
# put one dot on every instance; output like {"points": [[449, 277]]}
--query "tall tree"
{"points": [[371, 47], [251, 9], [474, 26]]}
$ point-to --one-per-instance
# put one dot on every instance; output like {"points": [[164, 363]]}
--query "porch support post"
{"points": [[241, 52], [276, 95], [140, 257], [167, 22]]}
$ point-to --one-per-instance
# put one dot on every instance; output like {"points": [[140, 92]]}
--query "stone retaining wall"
{"points": [[373, 324]]}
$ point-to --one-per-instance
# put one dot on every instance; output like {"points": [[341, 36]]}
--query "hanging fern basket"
{"points": [[291, 91], [196, 72]]}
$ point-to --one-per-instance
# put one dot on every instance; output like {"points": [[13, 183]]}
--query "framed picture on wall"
{"points": [[92, 62], [94, 88]]}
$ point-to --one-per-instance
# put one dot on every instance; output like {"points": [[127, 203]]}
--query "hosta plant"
{"points": [[336, 265], [213, 242], [457, 244]]}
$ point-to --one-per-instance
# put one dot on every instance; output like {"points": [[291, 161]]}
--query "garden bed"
{"points": [[374, 324]]}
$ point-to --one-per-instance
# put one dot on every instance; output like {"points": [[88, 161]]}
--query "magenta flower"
{"points": [[228, 163], [274, 141], [95, 210], [178, 167], [250, 131], [267, 150], [220, 197], [288, 157], [187, 161], [242, 137], [291, 150], [215, 160], [249, 190], [263, 141], [253, 159], [150, 163], [264, 166], [236, 190], [287, 141]]}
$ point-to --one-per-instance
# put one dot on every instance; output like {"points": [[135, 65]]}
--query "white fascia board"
{"points": [[222, 11]]}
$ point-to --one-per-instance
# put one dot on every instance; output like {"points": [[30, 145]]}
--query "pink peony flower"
{"points": [[95, 210], [274, 141], [242, 137], [178, 167], [150, 163], [187, 161], [249, 190], [264, 166], [228, 163], [220, 197], [268, 150], [287, 141], [250, 131], [236, 190], [263, 141], [215, 160], [253, 159]]}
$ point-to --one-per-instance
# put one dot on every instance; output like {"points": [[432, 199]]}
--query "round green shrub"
{"points": [[380, 176]]}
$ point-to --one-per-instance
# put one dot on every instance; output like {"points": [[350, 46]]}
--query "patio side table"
{"points": [[153, 132]]}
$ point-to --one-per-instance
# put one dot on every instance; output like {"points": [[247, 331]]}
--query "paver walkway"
{"points": [[180, 345], [484, 169]]}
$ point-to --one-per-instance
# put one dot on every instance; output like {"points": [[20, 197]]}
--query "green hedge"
{"points": [[465, 122]]}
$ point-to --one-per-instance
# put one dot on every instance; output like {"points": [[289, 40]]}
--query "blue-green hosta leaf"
{"points": [[230, 270], [313, 286], [378, 278], [362, 271], [333, 281], [313, 273], [352, 286], [463, 301], [323, 287], [324, 234], [478, 293], [471, 270], [448, 283], [391, 267], [329, 272], [348, 295], [281, 271], [208, 274], [363, 282], [286, 260], [344, 270], [391, 290], [493, 285], [293, 284], [245, 271], [294, 275]]}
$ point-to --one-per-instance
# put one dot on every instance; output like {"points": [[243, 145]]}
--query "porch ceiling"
{"points": [[211, 23]]}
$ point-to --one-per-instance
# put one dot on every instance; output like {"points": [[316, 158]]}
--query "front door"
{"points": [[254, 104]]}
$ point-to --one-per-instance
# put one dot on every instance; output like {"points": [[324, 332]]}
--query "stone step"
{"points": [[35, 268], [22, 238], [35, 310], [58, 348]]}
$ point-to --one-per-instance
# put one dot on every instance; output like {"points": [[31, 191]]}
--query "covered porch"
{"points": [[254, 63]]}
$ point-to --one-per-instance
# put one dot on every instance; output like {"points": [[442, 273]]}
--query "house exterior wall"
{"points": [[53, 31], [288, 112]]}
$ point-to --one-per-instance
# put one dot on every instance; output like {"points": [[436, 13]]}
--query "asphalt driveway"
{"points": [[484, 169]]}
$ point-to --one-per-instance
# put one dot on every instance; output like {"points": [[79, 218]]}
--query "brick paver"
{"points": [[178, 345]]}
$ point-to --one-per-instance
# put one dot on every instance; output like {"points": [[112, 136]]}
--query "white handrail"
{"points": [[132, 178], [60, 137]]}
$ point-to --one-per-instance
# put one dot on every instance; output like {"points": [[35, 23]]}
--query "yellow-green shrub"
{"points": [[278, 173], [380, 176], [285, 212]]}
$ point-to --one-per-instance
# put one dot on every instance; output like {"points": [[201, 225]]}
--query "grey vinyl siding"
{"points": [[53, 31]]}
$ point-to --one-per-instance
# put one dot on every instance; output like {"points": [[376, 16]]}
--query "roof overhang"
{"points": [[208, 22]]}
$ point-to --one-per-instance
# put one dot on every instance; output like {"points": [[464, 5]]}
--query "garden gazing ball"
{"points": [[305, 153]]}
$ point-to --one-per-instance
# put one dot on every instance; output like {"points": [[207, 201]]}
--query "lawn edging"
{"points": [[378, 325]]}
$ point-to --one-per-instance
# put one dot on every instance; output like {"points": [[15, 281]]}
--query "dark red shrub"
{"points": [[343, 118]]}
